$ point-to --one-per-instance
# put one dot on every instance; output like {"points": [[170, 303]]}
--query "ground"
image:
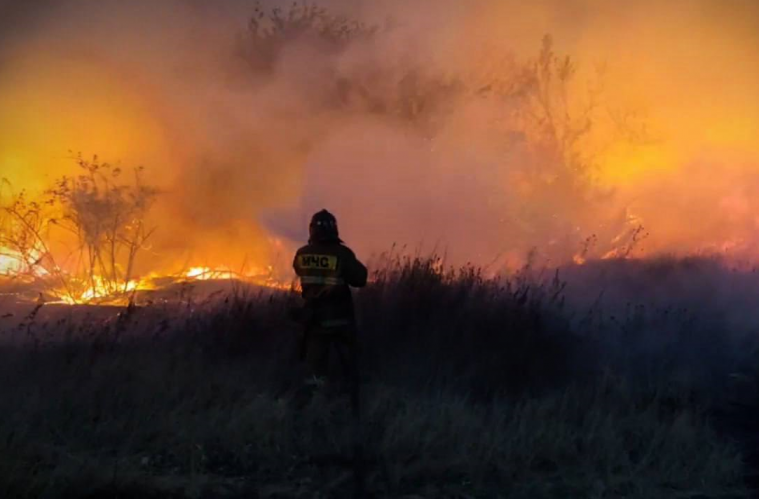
{"points": [[470, 389]]}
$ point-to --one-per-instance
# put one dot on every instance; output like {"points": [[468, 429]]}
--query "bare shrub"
{"points": [[107, 214], [103, 210], [24, 241]]}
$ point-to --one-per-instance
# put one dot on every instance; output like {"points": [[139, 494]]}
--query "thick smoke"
{"points": [[404, 134]]}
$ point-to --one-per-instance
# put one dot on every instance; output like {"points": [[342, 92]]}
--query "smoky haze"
{"points": [[419, 134]]}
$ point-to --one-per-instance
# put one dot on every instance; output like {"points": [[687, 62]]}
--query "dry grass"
{"points": [[471, 389]]}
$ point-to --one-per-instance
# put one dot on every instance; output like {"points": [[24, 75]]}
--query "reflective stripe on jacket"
{"points": [[327, 271]]}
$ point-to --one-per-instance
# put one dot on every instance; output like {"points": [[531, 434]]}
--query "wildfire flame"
{"points": [[101, 290], [668, 127], [261, 276], [15, 264], [208, 274], [9, 263]]}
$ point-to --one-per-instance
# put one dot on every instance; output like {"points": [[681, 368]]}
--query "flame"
{"points": [[14, 263], [9, 263], [579, 259], [262, 276], [103, 291], [208, 274], [68, 289], [689, 174]]}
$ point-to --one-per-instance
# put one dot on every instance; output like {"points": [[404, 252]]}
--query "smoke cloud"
{"points": [[418, 134]]}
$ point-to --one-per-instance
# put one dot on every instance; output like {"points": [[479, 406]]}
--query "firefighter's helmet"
{"points": [[323, 227]]}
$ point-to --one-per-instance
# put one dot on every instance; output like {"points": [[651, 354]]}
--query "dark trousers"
{"points": [[331, 360]]}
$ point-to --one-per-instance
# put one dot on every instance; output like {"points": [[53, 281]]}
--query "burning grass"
{"points": [[472, 388]]}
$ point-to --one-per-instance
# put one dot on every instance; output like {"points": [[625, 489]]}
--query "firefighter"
{"points": [[327, 270]]}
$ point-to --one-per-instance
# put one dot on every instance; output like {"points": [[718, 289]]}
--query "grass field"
{"points": [[532, 388]]}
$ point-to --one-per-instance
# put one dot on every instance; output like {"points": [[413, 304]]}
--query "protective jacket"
{"points": [[327, 270]]}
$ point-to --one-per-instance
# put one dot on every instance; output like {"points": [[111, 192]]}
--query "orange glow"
{"points": [[43, 118], [223, 273], [9, 264], [258, 276], [102, 292], [13, 263], [673, 137]]}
